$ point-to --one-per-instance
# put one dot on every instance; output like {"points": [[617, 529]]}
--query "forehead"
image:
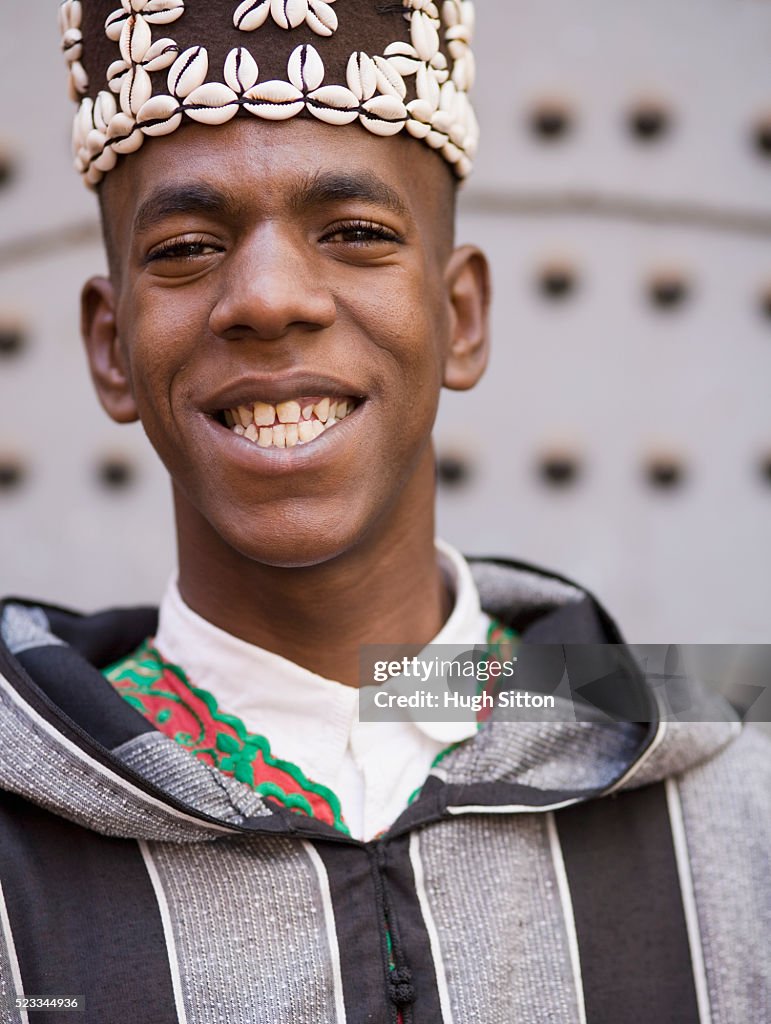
{"points": [[271, 164]]}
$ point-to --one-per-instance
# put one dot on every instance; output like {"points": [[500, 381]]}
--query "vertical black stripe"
{"points": [[632, 935], [84, 918], [360, 927], [409, 931]]}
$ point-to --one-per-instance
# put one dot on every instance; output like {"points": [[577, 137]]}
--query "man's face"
{"points": [[282, 264]]}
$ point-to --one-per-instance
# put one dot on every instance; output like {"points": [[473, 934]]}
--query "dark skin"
{"points": [[250, 252]]}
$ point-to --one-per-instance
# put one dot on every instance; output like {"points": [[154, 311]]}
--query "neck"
{"points": [[385, 589]]}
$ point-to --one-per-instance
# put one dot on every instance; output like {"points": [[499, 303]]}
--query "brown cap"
{"points": [[140, 67]]}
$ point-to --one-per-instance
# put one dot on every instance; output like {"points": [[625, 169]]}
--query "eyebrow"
{"points": [[329, 187], [171, 200], [322, 189]]}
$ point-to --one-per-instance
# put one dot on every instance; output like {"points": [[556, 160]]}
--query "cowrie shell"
{"points": [[383, 115], [136, 89], [94, 175], [460, 75], [447, 97], [72, 44], [305, 68], [212, 103], [163, 12], [95, 142], [400, 47], [70, 15], [450, 13], [241, 71], [115, 73], [420, 110], [389, 81], [463, 167], [251, 14], [289, 13], [436, 140], [384, 128], [106, 160], [275, 100], [471, 68], [418, 129], [120, 126], [161, 54], [78, 79], [423, 35], [427, 86], [105, 109], [321, 18], [361, 75], [135, 39], [334, 104], [468, 14], [451, 152], [188, 71], [387, 107], [462, 32], [442, 122], [456, 48], [113, 26], [405, 66], [458, 134], [129, 144], [160, 115]]}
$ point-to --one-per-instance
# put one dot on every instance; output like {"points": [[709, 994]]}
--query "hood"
{"points": [[69, 743]]}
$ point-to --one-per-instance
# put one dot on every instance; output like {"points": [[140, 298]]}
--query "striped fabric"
{"points": [[632, 890]]}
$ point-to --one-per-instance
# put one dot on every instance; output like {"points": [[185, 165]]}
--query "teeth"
{"points": [[305, 430], [288, 412], [264, 414], [322, 409], [295, 426]]}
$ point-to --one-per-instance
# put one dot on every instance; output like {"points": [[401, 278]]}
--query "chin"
{"points": [[294, 548]]}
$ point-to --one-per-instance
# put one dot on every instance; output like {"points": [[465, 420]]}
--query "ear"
{"points": [[467, 280], [106, 359]]}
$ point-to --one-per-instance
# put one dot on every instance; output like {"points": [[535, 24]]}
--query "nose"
{"points": [[271, 285]]}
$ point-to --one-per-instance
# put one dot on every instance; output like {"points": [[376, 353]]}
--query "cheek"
{"points": [[163, 329]]}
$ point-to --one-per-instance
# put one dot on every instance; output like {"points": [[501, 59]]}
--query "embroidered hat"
{"points": [[140, 67]]}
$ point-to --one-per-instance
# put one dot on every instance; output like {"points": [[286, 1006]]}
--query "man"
{"points": [[195, 825]]}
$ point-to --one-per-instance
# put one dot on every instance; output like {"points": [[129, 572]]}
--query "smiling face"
{"points": [[259, 270]]}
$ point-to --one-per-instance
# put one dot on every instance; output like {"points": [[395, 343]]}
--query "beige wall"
{"points": [[602, 378]]}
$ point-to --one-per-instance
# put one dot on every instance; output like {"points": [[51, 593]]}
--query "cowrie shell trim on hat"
{"points": [[375, 92]]}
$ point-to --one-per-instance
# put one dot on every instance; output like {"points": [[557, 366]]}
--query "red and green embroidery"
{"points": [[190, 715]]}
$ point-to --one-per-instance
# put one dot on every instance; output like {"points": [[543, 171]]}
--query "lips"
{"points": [[276, 390], [290, 411], [296, 421]]}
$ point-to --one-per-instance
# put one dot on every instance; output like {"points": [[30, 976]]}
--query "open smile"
{"points": [[297, 421]]}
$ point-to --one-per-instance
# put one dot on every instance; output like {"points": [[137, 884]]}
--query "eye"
{"points": [[360, 233], [184, 249]]}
